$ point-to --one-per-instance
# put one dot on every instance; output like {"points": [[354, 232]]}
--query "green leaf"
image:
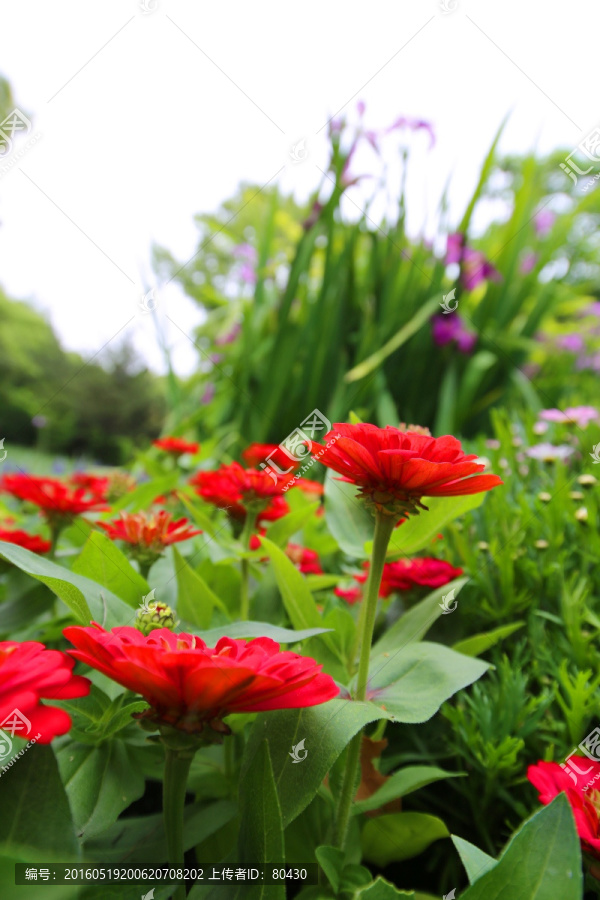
{"points": [[380, 889], [401, 783], [85, 598], [195, 600], [348, 519], [141, 840], [411, 684], [261, 831], [40, 818], [282, 530], [322, 582], [420, 318], [399, 836], [325, 730], [16, 614], [259, 629], [475, 861], [479, 643], [541, 862], [416, 533], [197, 515], [416, 622], [103, 562], [100, 781], [331, 860]]}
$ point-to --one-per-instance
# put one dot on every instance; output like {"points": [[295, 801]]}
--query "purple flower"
{"points": [[454, 248], [230, 337], [593, 309], [39, 421], [415, 125], [574, 343], [208, 394], [543, 222], [448, 329], [476, 269], [246, 252], [549, 452], [528, 262], [247, 273], [573, 415]]}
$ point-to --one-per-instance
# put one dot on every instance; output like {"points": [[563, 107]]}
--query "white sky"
{"points": [[148, 118]]}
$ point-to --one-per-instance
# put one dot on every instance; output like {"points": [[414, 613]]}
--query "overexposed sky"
{"points": [[146, 116]]}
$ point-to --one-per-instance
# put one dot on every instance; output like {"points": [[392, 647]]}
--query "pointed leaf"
{"points": [[103, 562], [401, 783], [195, 600], [479, 643], [399, 836], [475, 861]]}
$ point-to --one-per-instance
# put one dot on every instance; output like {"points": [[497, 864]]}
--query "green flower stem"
{"points": [[144, 569], [177, 767], [248, 530], [384, 525]]}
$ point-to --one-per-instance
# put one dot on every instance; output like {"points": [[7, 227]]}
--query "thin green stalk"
{"points": [[177, 767], [249, 526], [384, 526]]}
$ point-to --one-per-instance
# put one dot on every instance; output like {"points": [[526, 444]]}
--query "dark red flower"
{"points": [[405, 574], [30, 673], [149, 532], [394, 469], [582, 790], [176, 445], [307, 561], [235, 489], [188, 684], [53, 497], [32, 542]]}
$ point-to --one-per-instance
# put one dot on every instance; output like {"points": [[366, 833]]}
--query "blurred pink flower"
{"points": [[230, 337], [573, 415], [549, 452], [415, 125], [475, 267], [574, 343], [528, 262], [543, 222]]}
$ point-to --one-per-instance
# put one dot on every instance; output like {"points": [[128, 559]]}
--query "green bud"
{"points": [[155, 615]]}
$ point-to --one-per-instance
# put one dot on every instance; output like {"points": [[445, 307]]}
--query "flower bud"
{"points": [[155, 615]]}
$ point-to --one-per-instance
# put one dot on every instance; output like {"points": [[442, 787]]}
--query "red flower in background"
{"points": [[149, 532], [234, 488], [405, 574], [394, 469], [188, 684], [551, 779], [93, 483], [32, 542], [350, 595], [176, 446], [30, 673], [307, 561], [53, 497]]}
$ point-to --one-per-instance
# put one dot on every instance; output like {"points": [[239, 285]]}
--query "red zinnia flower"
{"points": [[149, 533], [350, 595], [405, 574], [234, 488], [307, 561], [29, 673], [32, 542], [188, 684], [176, 446], [92, 483], [54, 498], [394, 469], [582, 793]]}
